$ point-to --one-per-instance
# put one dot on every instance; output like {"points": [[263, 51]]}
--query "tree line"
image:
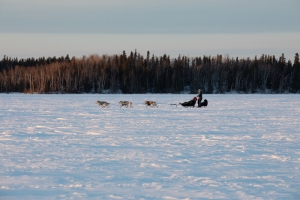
{"points": [[135, 73]]}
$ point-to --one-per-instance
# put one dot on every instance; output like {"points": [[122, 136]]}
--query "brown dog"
{"points": [[151, 103]]}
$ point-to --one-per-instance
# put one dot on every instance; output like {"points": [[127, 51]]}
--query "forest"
{"points": [[134, 73]]}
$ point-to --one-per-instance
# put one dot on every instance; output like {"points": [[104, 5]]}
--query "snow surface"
{"points": [[66, 147]]}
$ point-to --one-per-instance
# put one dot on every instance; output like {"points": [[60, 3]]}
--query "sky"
{"points": [[238, 28]]}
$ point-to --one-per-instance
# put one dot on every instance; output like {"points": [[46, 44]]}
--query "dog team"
{"points": [[126, 104]]}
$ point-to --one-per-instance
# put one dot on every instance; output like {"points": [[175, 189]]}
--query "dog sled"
{"points": [[190, 103]]}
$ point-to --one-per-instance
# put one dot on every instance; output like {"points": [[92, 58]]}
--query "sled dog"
{"points": [[151, 103], [126, 104], [103, 104], [204, 103]]}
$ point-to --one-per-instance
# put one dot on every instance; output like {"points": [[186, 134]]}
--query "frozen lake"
{"points": [[66, 147]]}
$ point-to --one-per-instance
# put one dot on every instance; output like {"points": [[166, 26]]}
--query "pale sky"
{"points": [[238, 28]]}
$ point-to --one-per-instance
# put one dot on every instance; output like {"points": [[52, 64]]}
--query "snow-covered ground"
{"points": [[66, 147]]}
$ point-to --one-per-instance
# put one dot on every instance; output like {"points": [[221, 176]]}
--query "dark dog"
{"points": [[204, 103]]}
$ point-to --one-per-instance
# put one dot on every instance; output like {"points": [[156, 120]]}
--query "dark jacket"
{"points": [[199, 99], [200, 95]]}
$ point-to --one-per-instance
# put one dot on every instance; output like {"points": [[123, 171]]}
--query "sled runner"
{"points": [[190, 103]]}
